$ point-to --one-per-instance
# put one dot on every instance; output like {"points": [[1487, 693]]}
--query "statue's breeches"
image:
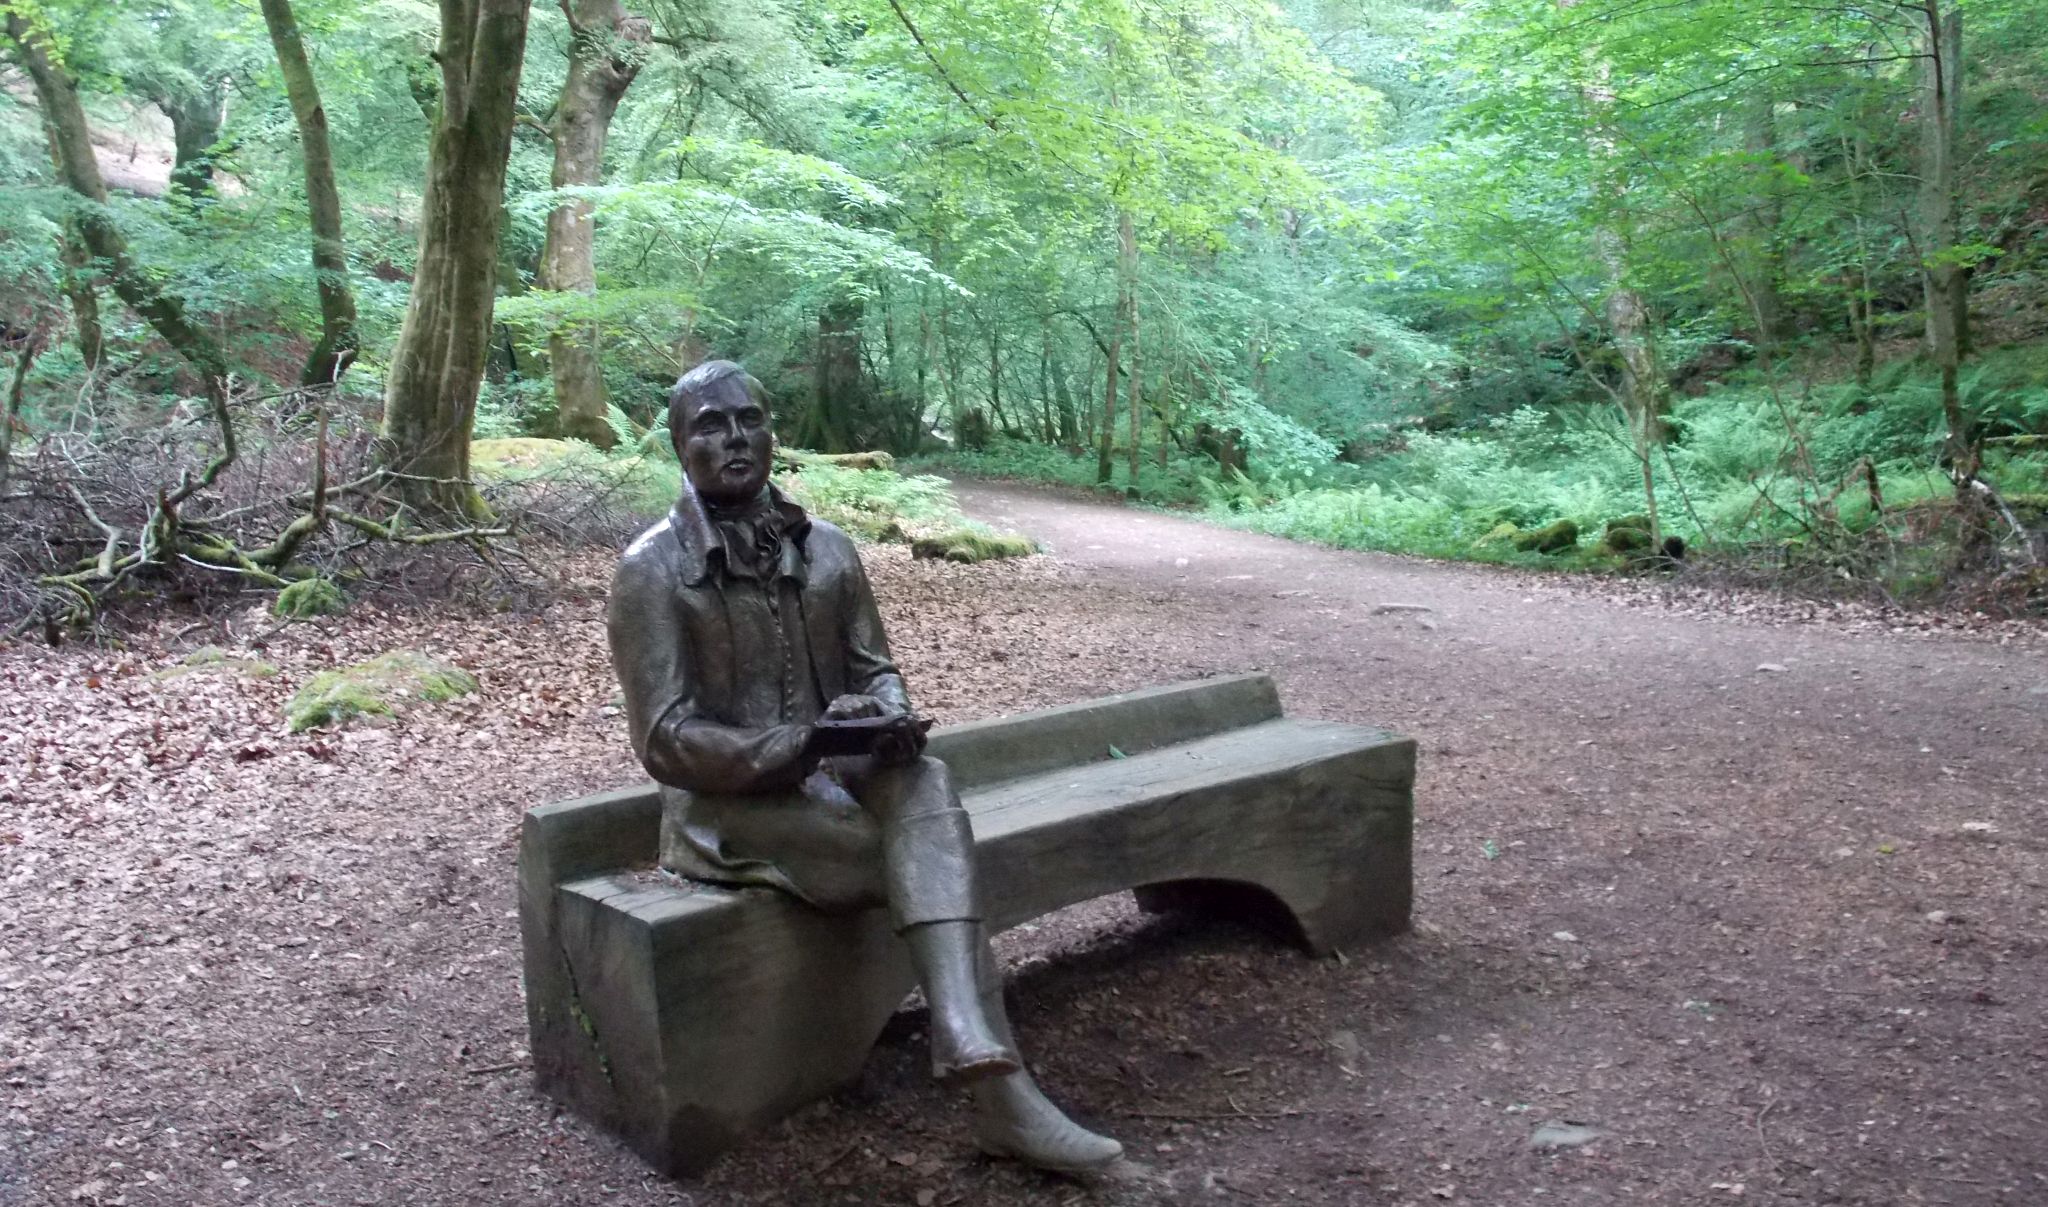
{"points": [[855, 836]]}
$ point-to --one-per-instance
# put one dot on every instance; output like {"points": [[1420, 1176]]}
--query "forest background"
{"points": [[291, 287]]}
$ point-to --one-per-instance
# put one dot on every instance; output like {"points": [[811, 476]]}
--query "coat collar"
{"points": [[697, 535]]}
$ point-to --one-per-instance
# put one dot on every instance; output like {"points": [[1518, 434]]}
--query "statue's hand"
{"points": [[902, 742], [855, 708]]}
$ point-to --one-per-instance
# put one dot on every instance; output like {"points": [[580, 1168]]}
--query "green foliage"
{"points": [[1375, 247], [874, 504]]}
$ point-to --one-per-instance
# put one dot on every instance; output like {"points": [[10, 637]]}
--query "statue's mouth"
{"points": [[740, 465]]}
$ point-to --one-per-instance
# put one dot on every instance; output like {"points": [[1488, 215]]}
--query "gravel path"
{"points": [[1776, 934]]}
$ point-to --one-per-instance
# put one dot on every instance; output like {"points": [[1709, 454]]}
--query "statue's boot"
{"points": [[966, 1046], [1013, 1117], [928, 854]]}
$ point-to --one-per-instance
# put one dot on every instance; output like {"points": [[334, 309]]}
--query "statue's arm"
{"points": [[676, 744], [869, 668]]}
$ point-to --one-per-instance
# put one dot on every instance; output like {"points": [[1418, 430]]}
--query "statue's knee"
{"points": [[921, 786], [929, 772]]}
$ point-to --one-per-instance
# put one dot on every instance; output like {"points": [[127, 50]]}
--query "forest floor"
{"points": [[1754, 890]]}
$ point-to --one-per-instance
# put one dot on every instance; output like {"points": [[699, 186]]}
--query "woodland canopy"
{"points": [[1425, 276]]}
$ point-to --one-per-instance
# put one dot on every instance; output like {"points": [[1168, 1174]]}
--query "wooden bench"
{"points": [[681, 1016]]}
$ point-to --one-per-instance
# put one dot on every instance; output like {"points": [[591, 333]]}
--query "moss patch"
{"points": [[969, 546], [1551, 538], [1499, 534], [376, 688], [1624, 540], [214, 658], [311, 597]]}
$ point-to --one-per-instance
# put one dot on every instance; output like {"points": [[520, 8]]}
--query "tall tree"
{"points": [[437, 367], [1946, 277], [71, 139], [336, 349], [606, 50]]}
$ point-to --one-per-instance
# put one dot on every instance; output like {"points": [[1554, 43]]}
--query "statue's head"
{"points": [[718, 420]]}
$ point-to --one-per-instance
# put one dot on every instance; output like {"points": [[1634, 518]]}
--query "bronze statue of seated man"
{"points": [[760, 692]]}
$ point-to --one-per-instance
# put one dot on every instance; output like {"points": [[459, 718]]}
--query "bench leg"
{"points": [[1336, 861], [712, 1025]]}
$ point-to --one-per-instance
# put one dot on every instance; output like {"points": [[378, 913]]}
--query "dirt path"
{"points": [[1777, 928], [1779, 934]]}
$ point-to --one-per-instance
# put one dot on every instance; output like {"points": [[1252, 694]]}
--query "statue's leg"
{"points": [[1013, 1118], [928, 870]]}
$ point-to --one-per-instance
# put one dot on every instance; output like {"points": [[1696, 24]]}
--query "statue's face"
{"points": [[724, 444]]}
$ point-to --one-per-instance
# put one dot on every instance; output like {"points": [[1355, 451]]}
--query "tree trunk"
{"points": [[72, 138], [195, 130], [76, 280], [1643, 389], [336, 349], [995, 379], [606, 52], [1127, 271], [837, 378], [438, 363], [1063, 402], [1760, 140], [1047, 430], [1106, 430], [1946, 285]]}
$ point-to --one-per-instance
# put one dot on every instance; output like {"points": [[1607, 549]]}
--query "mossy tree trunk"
{"points": [[336, 349], [1945, 279], [76, 281], [195, 132], [838, 380], [437, 366], [606, 49], [71, 138]]}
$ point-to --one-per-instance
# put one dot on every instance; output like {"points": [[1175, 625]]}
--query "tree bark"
{"points": [[336, 349], [438, 364], [836, 378], [1068, 428], [76, 280], [1104, 470], [1945, 283], [1760, 140], [195, 130], [1127, 270], [605, 53], [65, 123]]}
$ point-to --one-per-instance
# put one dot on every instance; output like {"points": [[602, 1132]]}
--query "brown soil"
{"points": [[1778, 934]]}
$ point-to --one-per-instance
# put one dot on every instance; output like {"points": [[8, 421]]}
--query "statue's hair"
{"points": [[700, 382]]}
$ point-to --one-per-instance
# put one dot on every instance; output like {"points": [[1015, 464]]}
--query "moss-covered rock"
{"points": [[214, 658], [796, 459], [311, 597], [1637, 523], [378, 687], [969, 546], [1499, 534], [1551, 538], [1624, 540]]}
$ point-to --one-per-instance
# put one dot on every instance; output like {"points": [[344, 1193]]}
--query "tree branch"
{"points": [[939, 67]]}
